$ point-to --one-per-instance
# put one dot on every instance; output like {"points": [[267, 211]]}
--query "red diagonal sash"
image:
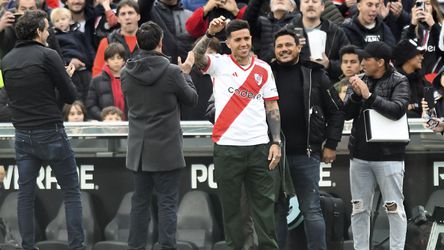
{"points": [[237, 103]]}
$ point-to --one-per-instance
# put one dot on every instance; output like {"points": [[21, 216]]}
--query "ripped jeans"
{"points": [[388, 175]]}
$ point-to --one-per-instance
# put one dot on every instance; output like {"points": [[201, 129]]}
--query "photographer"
{"points": [[7, 24], [425, 25]]}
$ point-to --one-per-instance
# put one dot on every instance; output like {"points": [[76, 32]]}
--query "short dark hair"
{"points": [[350, 49], [130, 3], [111, 110], [115, 49], [149, 35], [286, 31], [27, 25], [235, 25]]}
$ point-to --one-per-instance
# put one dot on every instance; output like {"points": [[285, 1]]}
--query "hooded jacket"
{"points": [[356, 32], [154, 90]]}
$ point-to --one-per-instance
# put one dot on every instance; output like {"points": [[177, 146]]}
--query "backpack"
{"points": [[333, 210]]}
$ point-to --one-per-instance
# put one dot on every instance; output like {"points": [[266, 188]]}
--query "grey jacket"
{"points": [[154, 90]]}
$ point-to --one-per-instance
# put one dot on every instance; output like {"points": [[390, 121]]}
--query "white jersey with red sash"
{"points": [[239, 94]]}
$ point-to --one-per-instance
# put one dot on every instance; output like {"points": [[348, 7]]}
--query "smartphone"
{"points": [[300, 34], [432, 123], [429, 97], [420, 5]]}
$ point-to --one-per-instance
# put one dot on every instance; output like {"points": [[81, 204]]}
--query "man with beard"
{"points": [[312, 122], [40, 138], [245, 99], [334, 37]]}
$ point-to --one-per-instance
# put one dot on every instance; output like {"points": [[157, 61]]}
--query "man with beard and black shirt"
{"points": [[33, 74], [367, 26], [311, 115], [314, 26], [408, 57]]}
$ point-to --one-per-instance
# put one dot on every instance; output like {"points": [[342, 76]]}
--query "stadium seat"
{"points": [[435, 199], [196, 223], [117, 231], [57, 234], [8, 213]]}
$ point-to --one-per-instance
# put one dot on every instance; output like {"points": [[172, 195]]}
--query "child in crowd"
{"points": [[112, 114], [105, 89], [75, 49], [75, 112]]}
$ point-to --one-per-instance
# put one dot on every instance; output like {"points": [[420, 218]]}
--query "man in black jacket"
{"points": [[171, 16], [376, 163], [40, 138], [335, 38], [155, 89], [7, 30], [311, 115]]}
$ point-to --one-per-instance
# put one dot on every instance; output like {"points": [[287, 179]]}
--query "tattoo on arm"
{"points": [[274, 123], [199, 50]]}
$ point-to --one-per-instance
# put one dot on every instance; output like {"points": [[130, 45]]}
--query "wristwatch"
{"points": [[279, 143]]}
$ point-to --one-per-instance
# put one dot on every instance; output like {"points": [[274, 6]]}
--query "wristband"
{"points": [[207, 34], [276, 143]]}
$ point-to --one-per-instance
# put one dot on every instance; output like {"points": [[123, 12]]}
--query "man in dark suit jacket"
{"points": [[155, 89]]}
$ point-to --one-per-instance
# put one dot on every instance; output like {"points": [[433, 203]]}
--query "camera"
{"points": [[420, 5]]}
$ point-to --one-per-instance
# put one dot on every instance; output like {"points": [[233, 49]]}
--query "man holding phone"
{"points": [[7, 24]]}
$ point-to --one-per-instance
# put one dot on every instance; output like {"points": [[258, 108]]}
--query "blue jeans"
{"points": [[166, 185], [33, 149], [305, 174], [389, 176]]}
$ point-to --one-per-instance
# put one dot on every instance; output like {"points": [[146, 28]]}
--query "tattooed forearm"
{"points": [[200, 59], [274, 123]]}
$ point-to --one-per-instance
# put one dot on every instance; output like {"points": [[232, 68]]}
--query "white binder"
{"points": [[379, 128]]}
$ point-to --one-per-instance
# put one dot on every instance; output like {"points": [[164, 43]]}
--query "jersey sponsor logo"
{"points": [[244, 93], [372, 38], [234, 107]]}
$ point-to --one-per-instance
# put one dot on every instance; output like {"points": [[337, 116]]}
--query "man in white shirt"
{"points": [[246, 109]]}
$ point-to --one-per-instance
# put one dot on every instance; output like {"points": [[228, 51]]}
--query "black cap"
{"points": [[378, 50], [406, 50]]}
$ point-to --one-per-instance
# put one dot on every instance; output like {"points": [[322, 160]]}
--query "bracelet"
{"points": [[276, 143], [207, 34]]}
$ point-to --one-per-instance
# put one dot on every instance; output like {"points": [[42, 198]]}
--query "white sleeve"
{"points": [[269, 90], [214, 64], [441, 39]]}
